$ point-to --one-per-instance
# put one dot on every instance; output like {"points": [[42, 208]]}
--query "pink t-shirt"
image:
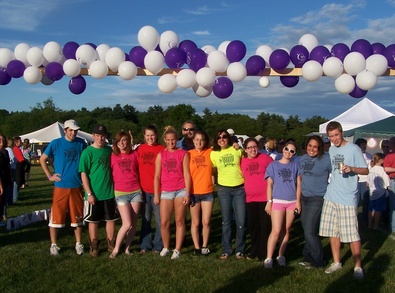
{"points": [[125, 172], [172, 175], [254, 170]]}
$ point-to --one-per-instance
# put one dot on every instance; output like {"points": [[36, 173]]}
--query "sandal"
{"points": [[113, 255], [224, 256], [128, 252]]}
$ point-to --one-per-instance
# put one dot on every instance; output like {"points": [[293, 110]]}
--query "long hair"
{"points": [[118, 137], [206, 138], [320, 142], [216, 147]]}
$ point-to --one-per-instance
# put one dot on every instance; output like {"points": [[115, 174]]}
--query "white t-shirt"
{"points": [[378, 182]]}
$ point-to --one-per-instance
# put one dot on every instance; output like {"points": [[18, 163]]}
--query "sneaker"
{"points": [[197, 252], [268, 263], [358, 273], [281, 261], [239, 255], [335, 266], [176, 254], [205, 251], [164, 252], [305, 264], [54, 249], [79, 248]]}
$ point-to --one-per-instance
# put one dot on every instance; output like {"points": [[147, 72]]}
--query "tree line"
{"points": [[128, 118]]}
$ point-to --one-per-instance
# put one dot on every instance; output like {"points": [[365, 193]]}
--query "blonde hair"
{"points": [[170, 130], [376, 158], [271, 143]]}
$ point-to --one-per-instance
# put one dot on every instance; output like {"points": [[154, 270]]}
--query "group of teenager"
{"points": [[99, 182]]}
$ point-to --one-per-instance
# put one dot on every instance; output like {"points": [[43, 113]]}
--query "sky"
{"points": [[278, 24]]}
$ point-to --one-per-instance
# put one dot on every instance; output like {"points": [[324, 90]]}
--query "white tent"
{"points": [[47, 134], [365, 112]]}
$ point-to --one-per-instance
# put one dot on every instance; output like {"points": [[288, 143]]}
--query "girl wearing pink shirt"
{"points": [[124, 165]]}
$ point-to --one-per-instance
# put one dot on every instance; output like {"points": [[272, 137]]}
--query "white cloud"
{"points": [[201, 33]]}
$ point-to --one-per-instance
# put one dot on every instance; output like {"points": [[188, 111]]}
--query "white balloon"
{"points": [[71, 68], [236, 71], [222, 47], [217, 61], [52, 51], [312, 70], [98, 69], [114, 57], [127, 70], [333, 67], [32, 75], [168, 40], [309, 41], [208, 49], [85, 55], [186, 78], [167, 83], [377, 63], [345, 83], [6, 55], [202, 91], [20, 53], [102, 50], [205, 76], [354, 63], [264, 51], [148, 38], [328, 46], [264, 82], [154, 61], [366, 80]]}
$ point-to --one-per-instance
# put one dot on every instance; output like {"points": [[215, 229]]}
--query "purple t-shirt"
{"points": [[284, 178]]}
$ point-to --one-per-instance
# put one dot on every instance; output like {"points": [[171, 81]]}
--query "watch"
{"points": [[90, 193], [270, 200]]}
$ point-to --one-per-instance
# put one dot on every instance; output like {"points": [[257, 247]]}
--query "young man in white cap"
{"points": [[67, 195]]}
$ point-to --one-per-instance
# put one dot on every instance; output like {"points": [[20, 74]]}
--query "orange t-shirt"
{"points": [[201, 170]]}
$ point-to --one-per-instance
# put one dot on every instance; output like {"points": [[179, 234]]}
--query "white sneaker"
{"points": [[335, 266], [54, 250], [205, 251], [79, 248], [281, 261], [358, 273], [164, 252], [176, 254], [268, 263]]}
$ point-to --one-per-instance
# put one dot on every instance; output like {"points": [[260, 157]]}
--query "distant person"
{"points": [[188, 131], [5, 179], [339, 213], [261, 143], [389, 167], [9, 148], [99, 192], [327, 144], [270, 148], [385, 146], [234, 138], [19, 177], [241, 142], [67, 195], [26, 151]]}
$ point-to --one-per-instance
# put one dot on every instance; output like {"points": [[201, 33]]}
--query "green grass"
{"points": [[26, 265]]}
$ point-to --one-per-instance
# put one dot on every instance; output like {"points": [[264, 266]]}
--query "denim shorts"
{"points": [[171, 195], [129, 198], [202, 197]]}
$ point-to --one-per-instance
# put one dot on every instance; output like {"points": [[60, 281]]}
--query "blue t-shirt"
{"points": [[343, 187], [315, 173], [284, 178], [66, 155]]}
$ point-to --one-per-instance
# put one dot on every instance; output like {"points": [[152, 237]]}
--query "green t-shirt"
{"points": [[227, 163], [95, 163]]}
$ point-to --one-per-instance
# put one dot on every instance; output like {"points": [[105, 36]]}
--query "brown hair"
{"points": [[118, 137], [334, 125], [320, 142], [376, 158]]}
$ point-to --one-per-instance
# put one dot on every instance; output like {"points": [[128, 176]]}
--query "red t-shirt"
{"points": [[146, 158], [389, 161], [18, 154]]}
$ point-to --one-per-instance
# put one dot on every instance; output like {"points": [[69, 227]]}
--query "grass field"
{"points": [[26, 265]]}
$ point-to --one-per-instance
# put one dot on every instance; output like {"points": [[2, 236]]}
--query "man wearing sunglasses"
{"points": [[389, 167], [188, 132]]}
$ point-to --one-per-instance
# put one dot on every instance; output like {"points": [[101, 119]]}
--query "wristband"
{"points": [[90, 193], [49, 177], [270, 200]]}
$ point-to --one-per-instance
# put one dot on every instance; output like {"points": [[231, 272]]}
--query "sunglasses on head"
{"points": [[189, 129], [288, 150], [222, 136]]}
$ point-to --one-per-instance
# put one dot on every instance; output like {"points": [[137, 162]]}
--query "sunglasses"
{"points": [[288, 150], [188, 129], [222, 136]]}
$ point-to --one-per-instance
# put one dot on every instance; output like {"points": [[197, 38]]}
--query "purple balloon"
{"points": [[340, 51], [279, 59], [358, 93], [15, 68], [255, 65], [137, 55], [196, 59], [319, 54], [54, 71], [378, 48], [69, 49], [77, 85], [175, 58], [389, 53], [299, 55], [187, 45], [236, 51], [222, 87], [362, 46], [4, 77], [289, 81]]}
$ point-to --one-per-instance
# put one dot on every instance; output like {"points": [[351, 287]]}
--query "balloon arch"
{"points": [[206, 70]]}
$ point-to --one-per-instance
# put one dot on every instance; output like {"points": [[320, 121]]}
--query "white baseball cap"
{"points": [[231, 131], [72, 124]]}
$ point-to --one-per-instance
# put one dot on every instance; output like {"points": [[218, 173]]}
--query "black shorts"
{"points": [[102, 210]]}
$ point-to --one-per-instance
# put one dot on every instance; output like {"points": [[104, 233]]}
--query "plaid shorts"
{"points": [[339, 221]]}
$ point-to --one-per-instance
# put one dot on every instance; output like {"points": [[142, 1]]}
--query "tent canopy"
{"points": [[49, 133], [363, 113], [383, 127]]}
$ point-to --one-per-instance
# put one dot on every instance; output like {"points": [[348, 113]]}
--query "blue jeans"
{"points": [[146, 229], [310, 218], [232, 200], [363, 196]]}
